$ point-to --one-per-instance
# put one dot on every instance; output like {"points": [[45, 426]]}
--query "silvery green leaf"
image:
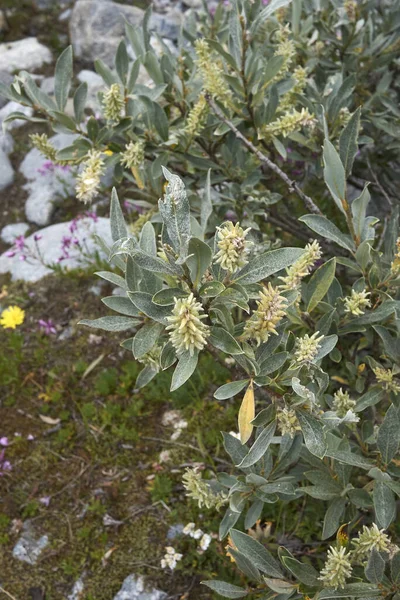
{"points": [[302, 390], [175, 212], [211, 289], [350, 458], [320, 283], [229, 520], [313, 432], [303, 572], [117, 221], [267, 264], [334, 174], [227, 590], [348, 141], [331, 419], [168, 356], [80, 97], [395, 568], [328, 230], [155, 264], [148, 241], [146, 338], [256, 553], [384, 504], [37, 96], [319, 492], [253, 514], [234, 448], [388, 439], [366, 591], [112, 323], [105, 72], [326, 346], [143, 302], [375, 568], [273, 363], [333, 517], [184, 369], [228, 390], [259, 447], [198, 260], [206, 203], [266, 13], [359, 211], [145, 376], [166, 297], [122, 305], [62, 79], [223, 340], [370, 398], [122, 61], [112, 278], [390, 343]]}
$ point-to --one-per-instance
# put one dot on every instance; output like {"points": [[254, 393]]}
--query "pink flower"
{"points": [[30, 437], [4, 441], [45, 500], [47, 327]]}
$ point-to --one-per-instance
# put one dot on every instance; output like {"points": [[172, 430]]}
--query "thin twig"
{"points": [[7, 593], [292, 185]]}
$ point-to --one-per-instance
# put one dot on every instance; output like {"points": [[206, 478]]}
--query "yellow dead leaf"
{"points": [[246, 414], [49, 420]]}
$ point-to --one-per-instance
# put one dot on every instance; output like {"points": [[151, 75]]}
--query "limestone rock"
{"points": [[6, 171], [12, 231], [50, 246], [133, 589], [24, 55], [29, 548]]}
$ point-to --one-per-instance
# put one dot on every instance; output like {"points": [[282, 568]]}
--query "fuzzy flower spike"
{"points": [[270, 310], [88, 181], [233, 247], [187, 331], [337, 568]]}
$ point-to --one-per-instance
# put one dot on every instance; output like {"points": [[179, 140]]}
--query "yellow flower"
{"points": [[11, 317]]}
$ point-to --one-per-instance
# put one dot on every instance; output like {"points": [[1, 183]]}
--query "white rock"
{"points": [[14, 107], [6, 142], [24, 55], [50, 246], [28, 548], [12, 231], [133, 589], [46, 186], [77, 590], [6, 171]]}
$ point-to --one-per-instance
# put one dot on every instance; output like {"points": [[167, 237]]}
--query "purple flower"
{"points": [[22, 257], [45, 500], [19, 242], [5, 465], [30, 437], [47, 327], [37, 237], [4, 441], [10, 253], [91, 215]]}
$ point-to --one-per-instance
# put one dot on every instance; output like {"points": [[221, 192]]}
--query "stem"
{"points": [[292, 185]]}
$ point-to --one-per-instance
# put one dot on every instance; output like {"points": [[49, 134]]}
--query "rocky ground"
{"points": [[90, 467]]}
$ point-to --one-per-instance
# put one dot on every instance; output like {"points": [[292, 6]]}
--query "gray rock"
{"points": [[133, 589], [175, 531], [27, 54], [50, 244], [6, 171], [11, 107], [29, 548], [96, 28], [5, 79], [6, 142], [47, 86], [12, 231]]}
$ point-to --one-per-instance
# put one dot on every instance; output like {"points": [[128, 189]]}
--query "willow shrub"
{"points": [[310, 329]]}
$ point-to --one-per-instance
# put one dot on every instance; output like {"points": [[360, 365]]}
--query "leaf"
{"points": [[328, 230], [175, 212], [184, 369], [359, 211], [154, 264], [326, 345], [206, 203], [234, 448], [303, 572], [112, 278], [348, 141], [320, 283], [266, 13], [229, 520], [370, 398], [117, 221], [375, 568], [350, 458], [334, 174], [112, 323], [259, 447], [62, 78], [223, 340], [227, 590], [143, 302], [244, 564], [228, 390], [273, 363], [146, 338], [199, 260], [256, 553], [122, 305], [313, 432], [333, 517], [389, 435], [80, 97], [49, 420], [267, 264], [122, 61], [384, 504], [145, 376], [246, 414], [352, 590]]}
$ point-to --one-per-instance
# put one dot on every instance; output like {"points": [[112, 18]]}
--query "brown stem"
{"points": [[292, 185]]}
